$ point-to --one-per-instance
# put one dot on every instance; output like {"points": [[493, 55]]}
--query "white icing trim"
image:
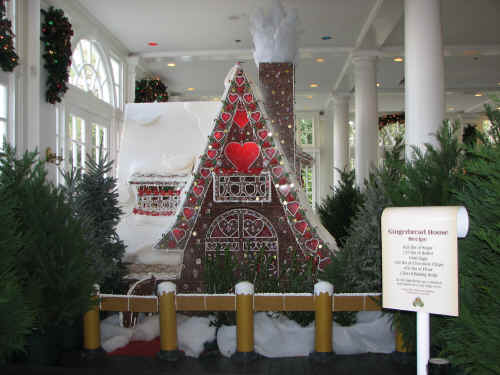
{"points": [[244, 288], [323, 287], [166, 287]]}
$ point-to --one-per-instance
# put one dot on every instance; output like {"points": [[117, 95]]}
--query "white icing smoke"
{"points": [[274, 33]]}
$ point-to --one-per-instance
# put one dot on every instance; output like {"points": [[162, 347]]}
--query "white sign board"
{"points": [[419, 258]]}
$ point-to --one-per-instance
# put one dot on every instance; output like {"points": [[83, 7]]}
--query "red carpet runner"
{"points": [[139, 349]]}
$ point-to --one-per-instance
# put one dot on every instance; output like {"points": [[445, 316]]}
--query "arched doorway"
{"points": [[244, 232]]}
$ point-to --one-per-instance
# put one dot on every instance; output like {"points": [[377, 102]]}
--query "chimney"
{"points": [[277, 87]]}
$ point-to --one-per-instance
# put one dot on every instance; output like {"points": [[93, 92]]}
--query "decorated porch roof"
{"points": [[243, 144]]}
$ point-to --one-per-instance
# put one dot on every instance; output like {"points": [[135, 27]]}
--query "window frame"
{"points": [[116, 96]]}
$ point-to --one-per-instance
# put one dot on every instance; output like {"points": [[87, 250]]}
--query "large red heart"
{"points": [[241, 118], [312, 244], [293, 207], [242, 156], [188, 212], [225, 116], [178, 234], [219, 135], [255, 116], [301, 226], [232, 98]]}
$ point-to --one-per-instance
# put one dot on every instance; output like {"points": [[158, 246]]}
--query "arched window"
{"points": [[89, 71]]}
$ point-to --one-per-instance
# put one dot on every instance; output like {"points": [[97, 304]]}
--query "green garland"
{"points": [[56, 37], [8, 56], [391, 119], [150, 90]]}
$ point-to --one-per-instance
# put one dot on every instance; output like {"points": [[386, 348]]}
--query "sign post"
{"points": [[420, 265]]}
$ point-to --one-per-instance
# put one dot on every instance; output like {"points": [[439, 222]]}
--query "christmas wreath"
{"points": [[8, 56], [150, 90], [391, 119], [56, 38]]}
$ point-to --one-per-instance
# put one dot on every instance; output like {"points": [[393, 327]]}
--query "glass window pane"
{"points": [[3, 133], [115, 67], [85, 46], [3, 101]]}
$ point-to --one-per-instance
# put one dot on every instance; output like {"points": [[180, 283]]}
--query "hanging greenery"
{"points": [[150, 91], [8, 56], [56, 37], [391, 119]]}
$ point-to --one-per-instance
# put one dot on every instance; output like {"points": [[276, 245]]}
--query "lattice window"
{"points": [[156, 199], [242, 188]]}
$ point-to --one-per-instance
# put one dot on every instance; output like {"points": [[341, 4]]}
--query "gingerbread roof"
{"points": [[243, 144]]}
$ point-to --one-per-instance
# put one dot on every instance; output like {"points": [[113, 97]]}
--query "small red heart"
{"points": [[308, 235], [198, 190], [211, 153], [205, 172], [298, 216], [225, 116], [284, 189], [192, 200], [232, 98], [171, 244], [312, 244], [283, 181], [277, 171], [293, 207], [290, 198], [255, 116], [241, 118], [262, 134], [242, 156], [188, 212], [248, 98], [178, 234], [219, 135], [270, 152], [252, 107], [301, 226], [240, 80]]}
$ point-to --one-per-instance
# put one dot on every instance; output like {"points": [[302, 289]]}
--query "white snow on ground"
{"points": [[274, 336]]}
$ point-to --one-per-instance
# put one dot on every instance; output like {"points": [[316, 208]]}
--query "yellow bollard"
{"points": [[168, 322], [323, 292], [92, 326], [244, 322], [400, 343]]}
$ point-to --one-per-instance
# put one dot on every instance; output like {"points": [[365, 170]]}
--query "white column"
{"points": [[132, 63], [424, 72], [366, 120], [340, 135], [28, 84]]}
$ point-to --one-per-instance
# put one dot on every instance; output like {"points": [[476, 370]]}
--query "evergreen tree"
{"points": [[16, 316], [51, 263], [94, 198], [471, 340], [337, 210]]}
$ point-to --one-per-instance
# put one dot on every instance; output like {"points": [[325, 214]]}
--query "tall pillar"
{"points": [[366, 121], [132, 63], [340, 135], [27, 113], [424, 72]]}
